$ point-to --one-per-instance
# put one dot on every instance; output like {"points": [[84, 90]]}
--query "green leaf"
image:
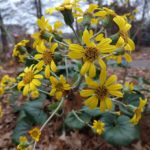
{"points": [[93, 113], [118, 130], [72, 122], [21, 129], [53, 106], [34, 110], [132, 98]]}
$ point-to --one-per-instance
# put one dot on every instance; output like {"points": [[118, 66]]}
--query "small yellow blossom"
{"points": [[20, 51], [59, 87], [31, 79], [98, 126], [90, 54], [124, 28], [99, 93], [23, 143], [138, 111], [35, 133], [45, 57]]}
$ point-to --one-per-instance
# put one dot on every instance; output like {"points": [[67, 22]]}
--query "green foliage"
{"points": [[72, 122], [31, 113], [118, 130]]}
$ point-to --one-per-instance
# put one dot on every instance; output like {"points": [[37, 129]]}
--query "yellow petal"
{"points": [[85, 67], [128, 57], [47, 71], [91, 83], [108, 103], [116, 93], [114, 87], [102, 64], [86, 93], [52, 92], [38, 56], [59, 95], [102, 105], [38, 76], [53, 47], [86, 37], [36, 82], [53, 80], [53, 66], [102, 77], [91, 102], [26, 90], [111, 80], [92, 70]]}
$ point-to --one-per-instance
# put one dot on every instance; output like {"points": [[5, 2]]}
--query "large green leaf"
{"points": [[34, 110], [72, 122], [22, 127], [118, 130]]}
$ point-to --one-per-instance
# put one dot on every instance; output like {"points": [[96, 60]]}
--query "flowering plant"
{"points": [[75, 70]]}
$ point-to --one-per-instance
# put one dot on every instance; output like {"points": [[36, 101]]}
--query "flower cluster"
{"points": [[62, 68]]}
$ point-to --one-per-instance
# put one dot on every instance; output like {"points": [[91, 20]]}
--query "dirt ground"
{"points": [[52, 139]]}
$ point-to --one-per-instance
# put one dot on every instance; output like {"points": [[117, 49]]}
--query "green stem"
{"points": [[77, 37], [49, 118], [82, 121]]}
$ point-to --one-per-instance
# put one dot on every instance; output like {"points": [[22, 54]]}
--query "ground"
{"points": [[85, 139]]}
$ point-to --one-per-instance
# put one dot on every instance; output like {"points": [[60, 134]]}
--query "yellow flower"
{"points": [[99, 126], [31, 79], [99, 93], [123, 54], [59, 87], [7, 81], [43, 23], [137, 113], [1, 111], [46, 57], [19, 50], [23, 143], [35, 94], [80, 14], [35, 133], [124, 28], [39, 40], [90, 54]]}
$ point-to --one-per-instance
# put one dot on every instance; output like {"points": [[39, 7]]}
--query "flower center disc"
{"points": [[59, 87], [91, 53], [101, 92], [47, 57], [28, 77]]}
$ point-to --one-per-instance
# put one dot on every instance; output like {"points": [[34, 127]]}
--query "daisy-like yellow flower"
{"points": [[123, 54], [23, 143], [99, 93], [1, 111], [43, 23], [124, 28], [90, 54], [80, 14], [45, 57], [137, 113], [30, 79], [59, 87], [35, 133], [98, 126], [19, 50]]}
